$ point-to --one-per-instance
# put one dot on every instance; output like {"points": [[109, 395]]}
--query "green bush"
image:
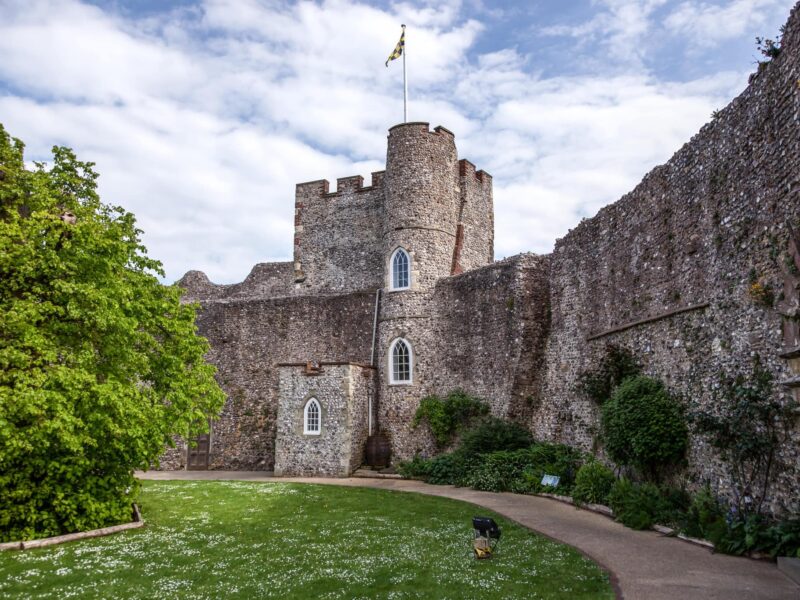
{"points": [[492, 435], [705, 517], [640, 506], [521, 471], [784, 538], [450, 469], [644, 427], [634, 506], [744, 534], [740, 534], [416, 468], [593, 483], [446, 417], [500, 471]]}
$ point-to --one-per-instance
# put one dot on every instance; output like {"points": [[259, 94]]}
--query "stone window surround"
{"points": [[409, 257], [390, 357], [309, 401]]}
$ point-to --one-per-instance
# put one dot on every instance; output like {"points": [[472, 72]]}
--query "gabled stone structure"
{"points": [[667, 271]]}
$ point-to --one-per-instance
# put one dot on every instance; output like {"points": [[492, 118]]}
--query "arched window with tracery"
{"points": [[401, 270], [401, 362], [312, 418]]}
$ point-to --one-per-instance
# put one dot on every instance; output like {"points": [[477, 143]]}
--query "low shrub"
{"points": [[450, 469], [785, 538], [640, 506], [493, 435], [500, 471], [553, 459], [593, 483], [705, 517], [521, 471], [743, 535], [416, 468]]}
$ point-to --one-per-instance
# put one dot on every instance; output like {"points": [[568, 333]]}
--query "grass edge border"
{"points": [[80, 535]]}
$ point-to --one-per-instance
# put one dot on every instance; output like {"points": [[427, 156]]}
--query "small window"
{"points": [[312, 417], [400, 362], [401, 270]]}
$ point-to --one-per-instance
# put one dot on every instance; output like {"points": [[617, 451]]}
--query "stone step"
{"points": [[370, 474]]}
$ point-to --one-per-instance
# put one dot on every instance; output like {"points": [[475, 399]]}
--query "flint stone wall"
{"points": [[343, 392], [248, 339], [699, 230], [483, 331], [338, 236]]}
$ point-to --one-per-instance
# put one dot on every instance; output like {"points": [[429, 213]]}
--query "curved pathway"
{"points": [[643, 564]]}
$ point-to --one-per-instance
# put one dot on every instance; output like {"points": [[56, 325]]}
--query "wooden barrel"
{"points": [[378, 452]]}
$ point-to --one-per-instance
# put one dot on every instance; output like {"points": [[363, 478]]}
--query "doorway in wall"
{"points": [[197, 455]]}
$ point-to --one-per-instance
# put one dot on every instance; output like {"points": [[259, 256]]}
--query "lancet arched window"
{"points": [[401, 270], [401, 362], [312, 418]]}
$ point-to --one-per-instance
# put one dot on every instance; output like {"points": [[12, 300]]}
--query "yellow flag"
{"points": [[398, 50]]}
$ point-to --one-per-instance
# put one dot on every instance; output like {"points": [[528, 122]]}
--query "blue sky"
{"points": [[201, 116]]}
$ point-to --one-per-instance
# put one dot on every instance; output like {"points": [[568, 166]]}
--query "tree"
{"points": [[100, 364]]}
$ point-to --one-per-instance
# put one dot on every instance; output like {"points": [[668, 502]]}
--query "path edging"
{"points": [[662, 529]]}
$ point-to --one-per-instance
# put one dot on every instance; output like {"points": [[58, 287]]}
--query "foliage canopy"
{"points": [[100, 364]]}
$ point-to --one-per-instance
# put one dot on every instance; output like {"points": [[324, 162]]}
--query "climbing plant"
{"points": [[748, 425], [616, 365], [446, 417]]}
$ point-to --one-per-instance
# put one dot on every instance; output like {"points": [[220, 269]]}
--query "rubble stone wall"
{"points": [[681, 254], [342, 391], [248, 339], [338, 236]]}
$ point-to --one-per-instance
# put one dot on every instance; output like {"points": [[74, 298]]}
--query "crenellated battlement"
{"points": [[466, 168], [423, 127], [344, 185]]}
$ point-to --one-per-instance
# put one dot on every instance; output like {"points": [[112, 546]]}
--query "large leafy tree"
{"points": [[100, 364]]}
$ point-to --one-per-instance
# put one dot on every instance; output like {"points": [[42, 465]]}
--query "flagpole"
{"points": [[405, 82]]}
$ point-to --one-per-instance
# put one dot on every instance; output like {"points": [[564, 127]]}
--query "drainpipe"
{"points": [[372, 358]]}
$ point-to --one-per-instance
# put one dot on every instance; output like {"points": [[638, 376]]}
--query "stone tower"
{"points": [[439, 212]]}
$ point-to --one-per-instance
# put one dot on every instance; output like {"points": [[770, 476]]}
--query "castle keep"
{"points": [[394, 294]]}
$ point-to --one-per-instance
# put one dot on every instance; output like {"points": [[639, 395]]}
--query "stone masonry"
{"points": [[696, 271], [343, 392]]}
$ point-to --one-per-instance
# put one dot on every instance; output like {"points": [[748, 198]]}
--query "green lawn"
{"points": [[253, 540]]}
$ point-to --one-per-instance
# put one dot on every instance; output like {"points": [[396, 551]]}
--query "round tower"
{"points": [[422, 201], [422, 205]]}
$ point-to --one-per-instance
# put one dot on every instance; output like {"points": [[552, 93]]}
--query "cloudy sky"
{"points": [[201, 116]]}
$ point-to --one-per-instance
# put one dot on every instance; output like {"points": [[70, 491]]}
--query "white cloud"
{"points": [[201, 120], [622, 26], [708, 24]]}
